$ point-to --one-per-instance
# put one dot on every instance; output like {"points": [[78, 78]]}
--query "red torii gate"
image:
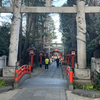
{"points": [[58, 53], [56, 50]]}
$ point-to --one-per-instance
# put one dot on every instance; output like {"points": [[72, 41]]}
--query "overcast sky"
{"points": [[57, 3]]}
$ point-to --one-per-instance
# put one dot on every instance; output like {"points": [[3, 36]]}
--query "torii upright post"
{"points": [[13, 48], [48, 3], [49, 50], [81, 34], [81, 72]]}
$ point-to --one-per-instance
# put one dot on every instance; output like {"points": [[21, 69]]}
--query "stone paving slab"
{"points": [[71, 96], [40, 94], [45, 83], [6, 88], [87, 93], [9, 94], [38, 98], [37, 71]]}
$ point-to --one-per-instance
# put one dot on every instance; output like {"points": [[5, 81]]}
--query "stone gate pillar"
{"points": [[13, 48], [81, 34], [48, 3], [81, 73], [49, 50]]}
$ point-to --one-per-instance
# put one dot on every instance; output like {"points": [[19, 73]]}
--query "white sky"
{"points": [[56, 19]]}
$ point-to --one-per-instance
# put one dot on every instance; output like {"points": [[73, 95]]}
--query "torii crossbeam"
{"points": [[92, 9]]}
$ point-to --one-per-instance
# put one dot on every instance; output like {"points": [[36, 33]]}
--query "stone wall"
{"points": [[2, 63], [95, 64], [95, 68], [71, 96]]}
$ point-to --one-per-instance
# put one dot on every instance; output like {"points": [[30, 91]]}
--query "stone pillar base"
{"points": [[15, 85], [82, 81], [8, 71], [82, 73], [70, 87]]}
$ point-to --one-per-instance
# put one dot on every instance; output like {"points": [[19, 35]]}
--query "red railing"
{"points": [[25, 69]]}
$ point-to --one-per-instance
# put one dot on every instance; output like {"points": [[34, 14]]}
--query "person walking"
{"points": [[57, 60], [60, 62], [46, 63]]}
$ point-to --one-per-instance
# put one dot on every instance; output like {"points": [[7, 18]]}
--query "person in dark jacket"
{"points": [[57, 61]]}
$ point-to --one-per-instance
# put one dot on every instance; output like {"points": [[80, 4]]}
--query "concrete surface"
{"points": [[40, 94], [7, 80], [87, 93], [71, 96], [8, 95], [6, 88], [23, 78], [37, 71]]}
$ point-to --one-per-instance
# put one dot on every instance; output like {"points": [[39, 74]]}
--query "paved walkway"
{"points": [[51, 78], [49, 85]]}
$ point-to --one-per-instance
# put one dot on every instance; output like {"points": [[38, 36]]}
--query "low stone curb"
{"points": [[87, 93], [6, 88]]}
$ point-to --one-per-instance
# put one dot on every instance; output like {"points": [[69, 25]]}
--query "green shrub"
{"points": [[89, 86], [2, 83], [97, 81]]}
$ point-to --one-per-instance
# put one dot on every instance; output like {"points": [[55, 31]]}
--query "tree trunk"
{"points": [[36, 36], [73, 30], [0, 2], [20, 42], [34, 24], [91, 34], [26, 45], [42, 33]]}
